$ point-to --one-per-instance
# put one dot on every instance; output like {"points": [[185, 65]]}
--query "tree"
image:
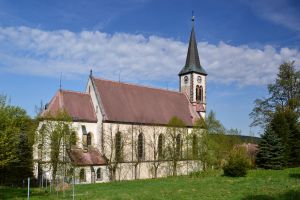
{"points": [[174, 140], [271, 153], [156, 143], [16, 139], [114, 142], [285, 92], [238, 162], [52, 140]]}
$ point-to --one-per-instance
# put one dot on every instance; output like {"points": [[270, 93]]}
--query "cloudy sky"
{"points": [[241, 44]]}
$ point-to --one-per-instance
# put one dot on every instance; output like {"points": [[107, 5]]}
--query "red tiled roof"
{"points": [[130, 103], [81, 158], [78, 105]]}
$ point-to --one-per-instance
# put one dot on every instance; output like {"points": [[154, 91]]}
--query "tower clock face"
{"points": [[199, 79], [186, 79]]}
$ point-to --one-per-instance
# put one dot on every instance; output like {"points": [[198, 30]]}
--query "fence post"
{"points": [[28, 189], [73, 183]]}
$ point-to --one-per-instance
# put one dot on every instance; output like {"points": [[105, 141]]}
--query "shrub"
{"points": [[238, 163]]}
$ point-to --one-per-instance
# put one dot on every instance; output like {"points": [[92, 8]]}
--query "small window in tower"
{"points": [[186, 79]]}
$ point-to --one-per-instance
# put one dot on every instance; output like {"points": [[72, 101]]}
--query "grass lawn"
{"points": [[259, 184]]}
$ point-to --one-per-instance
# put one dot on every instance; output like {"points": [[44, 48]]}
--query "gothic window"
{"points": [[82, 175], [84, 136], [160, 146], [178, 146], [199, 93], [89, 139], [118, 147], [141, 146], [195, 146], [99, 175]]}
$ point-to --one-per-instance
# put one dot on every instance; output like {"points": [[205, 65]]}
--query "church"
{"points": [[120, 127]]}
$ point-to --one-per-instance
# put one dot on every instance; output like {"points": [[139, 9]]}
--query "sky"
{"points": [[241, 45]]}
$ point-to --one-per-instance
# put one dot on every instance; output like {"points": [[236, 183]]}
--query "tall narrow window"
{"points": [[199, 93], [118, 146], [99, 175], [89, 139], [82, 175], [160, 146], [178, 145], [195, 146], [141, 146]]}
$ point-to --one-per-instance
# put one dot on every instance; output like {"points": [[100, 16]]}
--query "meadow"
{"points": [[258, 184]]}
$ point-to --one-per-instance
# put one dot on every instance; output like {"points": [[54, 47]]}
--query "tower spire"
{"points": [[192, 63]]}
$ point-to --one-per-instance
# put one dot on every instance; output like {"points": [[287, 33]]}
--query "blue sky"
{"points": [[241, 44]]}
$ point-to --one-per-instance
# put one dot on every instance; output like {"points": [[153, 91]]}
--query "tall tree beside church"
{"points": [[52, 139], [16, 139], [271, 153], [174, 141], [285, 92], [281, 110]]}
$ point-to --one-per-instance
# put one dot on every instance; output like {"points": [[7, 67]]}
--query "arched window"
{"points": [[141, 146], [89, 139], [118, 147], [160, 146], [199, 93], [82, 175], [99, 175], [195, 146], [178, 145]]}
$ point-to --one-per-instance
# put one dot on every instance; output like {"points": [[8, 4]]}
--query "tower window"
{"points": [[186, 79], [199, 93]]}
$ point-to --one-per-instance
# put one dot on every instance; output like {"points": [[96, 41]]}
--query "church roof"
{"points": [[130, 103], [76, 104], [192, 63]]}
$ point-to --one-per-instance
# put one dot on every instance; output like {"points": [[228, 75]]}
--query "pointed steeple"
{"points": [[192, 63]]}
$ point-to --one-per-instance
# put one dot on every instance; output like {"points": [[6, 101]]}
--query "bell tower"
{"points": [[192, 77]]}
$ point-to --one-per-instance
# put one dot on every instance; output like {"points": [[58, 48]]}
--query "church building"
{"points": [[119, 126]]}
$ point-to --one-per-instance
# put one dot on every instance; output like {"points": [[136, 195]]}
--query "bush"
{"points": [[238, 163]]}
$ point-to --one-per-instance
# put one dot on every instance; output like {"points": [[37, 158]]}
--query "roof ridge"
{"points": [[136, 85], [72, 91]]}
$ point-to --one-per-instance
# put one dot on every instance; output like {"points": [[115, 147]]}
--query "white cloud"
{"points": [[47, 53]]}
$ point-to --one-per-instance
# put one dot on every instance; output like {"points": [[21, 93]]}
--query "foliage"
{"points": [[286, 126], [238, 163], [214, 145], [52, 140], [175, 136], [271, 153], [285, 92], [16, 139], [258, 184]]}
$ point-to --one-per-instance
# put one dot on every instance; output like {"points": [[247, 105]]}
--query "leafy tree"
{"points": [[174, 140], [214, 145], [238, 162], [16, 139], [52, 139], [271, 153], [285, 92]]}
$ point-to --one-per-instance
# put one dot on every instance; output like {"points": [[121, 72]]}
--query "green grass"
{"points": [[259, 184]]}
